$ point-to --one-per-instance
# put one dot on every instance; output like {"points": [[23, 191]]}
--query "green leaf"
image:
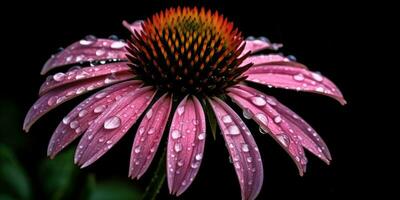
{"points": [[13, 179], [58, 175], [112, 189]]}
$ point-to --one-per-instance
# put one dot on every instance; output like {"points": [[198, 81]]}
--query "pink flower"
{"points": [[183, 60]]}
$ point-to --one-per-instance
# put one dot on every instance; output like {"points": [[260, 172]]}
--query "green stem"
{"points": [[157, 181]]}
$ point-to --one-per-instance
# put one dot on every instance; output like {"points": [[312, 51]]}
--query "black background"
{"points": [[327, 37]]}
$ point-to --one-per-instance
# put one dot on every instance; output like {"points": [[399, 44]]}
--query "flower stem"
{"points": [[157, 181]]}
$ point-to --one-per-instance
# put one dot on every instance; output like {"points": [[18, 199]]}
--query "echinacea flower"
{"points": [[182, 60]]}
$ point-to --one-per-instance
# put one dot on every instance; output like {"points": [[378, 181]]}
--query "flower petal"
{"points": [[135, 26], [259, 45], [86, 51], [111, 125], [185, 144], [148, 136], [61, 79], [242, 149], [310, 139], [79, 119], [55, 97], [271, 59], [294, 78], [255, 105]]}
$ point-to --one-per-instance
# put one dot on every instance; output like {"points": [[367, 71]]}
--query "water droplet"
{"points": [[317, 76], [109, 142], [298, 77], [291, 57], [195, 165], [178, 147], [277, 119], [80, 90], [85, 42], [101, 139], [137, 149], [66, 120], [141, 130], [250, 38], [319, 89], [100, 95], [99, 109], [59, 76], [258, 101], [74, 124], [100, 52], [175, 134], [247, 113], [151, 130], [199, 156], [149, 113], [82, 113], [180, 163], [201, 136], [233, 130], [112, 122], [195, 122], [117, 45], [245, 148], [227, 119], [263, 130], [52, 100], [264, 39], [181, 110], [283, 139], [249, 159], [113, 37]]}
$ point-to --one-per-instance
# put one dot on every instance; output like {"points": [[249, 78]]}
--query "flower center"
{"points": [[188, 51]]}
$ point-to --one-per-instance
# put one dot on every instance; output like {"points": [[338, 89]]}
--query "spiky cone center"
{"points": [[188, 51]]}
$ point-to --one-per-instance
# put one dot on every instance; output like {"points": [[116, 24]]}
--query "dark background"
{"points": [[327, 37]]}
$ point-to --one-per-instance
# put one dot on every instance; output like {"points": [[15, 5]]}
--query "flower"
{"points": [[184, 60]]}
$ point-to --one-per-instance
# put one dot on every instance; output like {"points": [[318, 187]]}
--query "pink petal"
{"points": [[55, 97], [294, 78], [79, 119], [111, 125], [86, 51], [270, 121], [259, 45], [271, 59], [242, 149], [148, 136], [135, 26], [185, 144], [311, 140], [78, 75]]}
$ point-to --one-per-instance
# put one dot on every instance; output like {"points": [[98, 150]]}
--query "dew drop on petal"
{"points": [[178, 147], [181, 110], [199, 156], [151, 130], [247, 113], [227, 119], [317, 77], [233, 130], [319, 89], [82, 113], [59, 76], [99, 109], [112, 123], [298, 77], [283, 139], [85, 42], [175, 134], [137, 149], [195, 165], [263, 130], [66, 120], [249, 159], [180, 163], [74, 124], [263, 119], [245, 148], [277, 119], [100, 52], [201, 136], [100, 95], [117, 45], [258, 101], [149, 113]]}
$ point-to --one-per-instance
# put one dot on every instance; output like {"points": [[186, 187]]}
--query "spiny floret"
{"points": [[185, 50]]}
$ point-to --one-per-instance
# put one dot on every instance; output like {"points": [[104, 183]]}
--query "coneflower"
{"points": [[184, 60]]}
